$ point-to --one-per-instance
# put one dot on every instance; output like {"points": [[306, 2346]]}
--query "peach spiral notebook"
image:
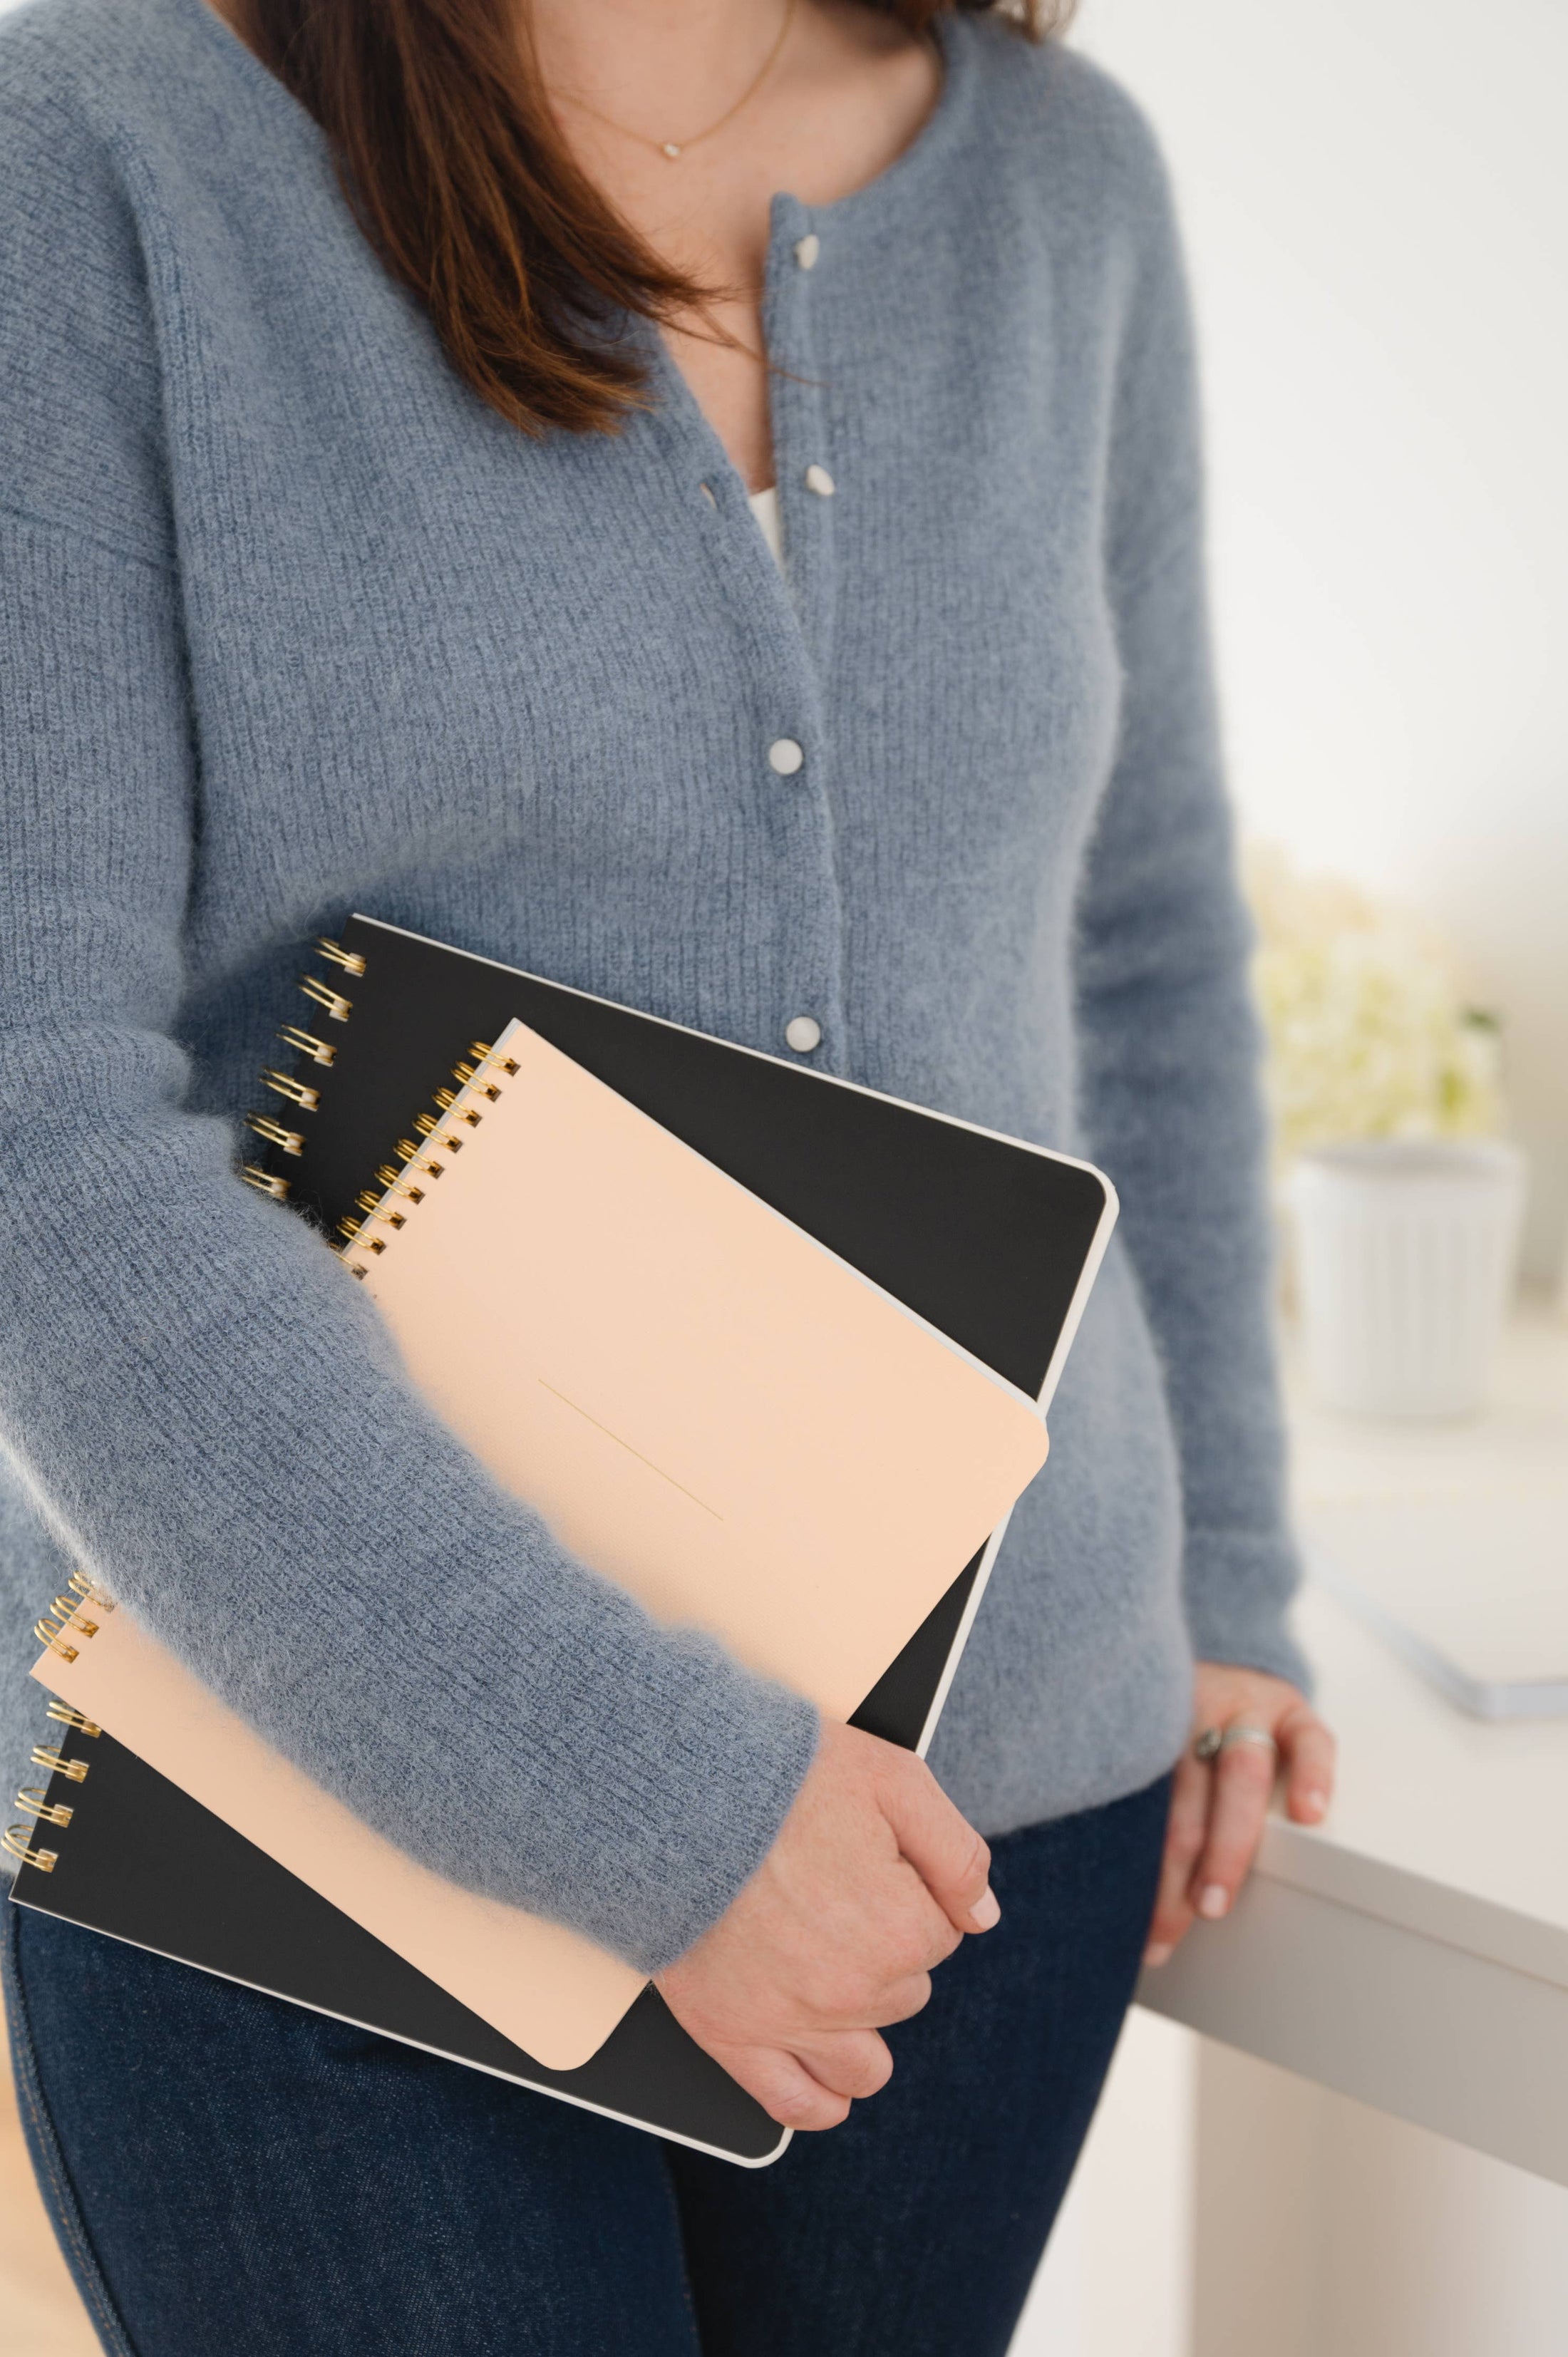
{"points": [[706, 1405], [990, 1239]]}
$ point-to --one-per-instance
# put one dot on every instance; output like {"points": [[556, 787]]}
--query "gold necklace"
{"points": [[674, 149]]}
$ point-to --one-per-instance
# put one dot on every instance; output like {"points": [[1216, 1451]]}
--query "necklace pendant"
{"points": [[668, 148]]}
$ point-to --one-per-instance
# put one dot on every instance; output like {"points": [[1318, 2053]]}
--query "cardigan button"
{"points": [[803, 1033], [806, 250], [818, 479], [785, 757]]}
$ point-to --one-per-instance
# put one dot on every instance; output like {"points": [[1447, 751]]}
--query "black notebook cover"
{"points": [[993, 1241]]}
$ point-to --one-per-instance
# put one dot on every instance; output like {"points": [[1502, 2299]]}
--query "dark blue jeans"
{"points": [[228, 2173]]}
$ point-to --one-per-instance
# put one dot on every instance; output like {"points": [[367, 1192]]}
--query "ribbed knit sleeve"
{"points": [[205, 1408], [1168, 1044]]}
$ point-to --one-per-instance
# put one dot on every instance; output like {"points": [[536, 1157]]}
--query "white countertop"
{"points": [[1414, 1951]]}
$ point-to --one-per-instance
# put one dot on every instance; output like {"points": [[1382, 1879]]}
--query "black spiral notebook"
{"points": [[993, 1241]]}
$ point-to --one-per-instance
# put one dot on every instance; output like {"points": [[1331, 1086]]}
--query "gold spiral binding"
{"points": [[290, 1140], [322, 993], [68, 1715], [435, 1130], [398, 1182], [352, 1232], [17, 1840], [34, 1801], [299, 1093], [69, 1609], [304, 1094], [378, 1208], [266, 1181], [349, 960], [483, 1049], [318, 1052], [66, 1616]]}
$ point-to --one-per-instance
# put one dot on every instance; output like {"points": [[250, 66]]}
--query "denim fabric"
{"points": [[290, 624], [232, 2177]]}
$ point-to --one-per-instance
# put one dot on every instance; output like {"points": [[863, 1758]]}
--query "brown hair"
{"points": [[458, 176]]}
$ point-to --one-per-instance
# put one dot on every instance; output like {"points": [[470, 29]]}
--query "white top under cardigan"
{"points": [[764, 506]]}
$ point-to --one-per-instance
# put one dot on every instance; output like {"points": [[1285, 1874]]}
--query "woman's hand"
{"points": [[873, 1880], [1218, 1807]]}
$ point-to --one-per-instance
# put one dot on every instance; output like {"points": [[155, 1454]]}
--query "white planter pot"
{"points": [[1405, 1258]]}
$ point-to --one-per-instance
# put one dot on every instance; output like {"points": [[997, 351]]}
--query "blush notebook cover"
{"points": [[706, 1405], [958, 1263]]}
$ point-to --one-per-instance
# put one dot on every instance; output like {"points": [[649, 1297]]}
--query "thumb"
{"points": [[943, 1848]]}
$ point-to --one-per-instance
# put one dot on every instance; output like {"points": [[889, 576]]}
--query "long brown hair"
{"points": [[457, 174]]}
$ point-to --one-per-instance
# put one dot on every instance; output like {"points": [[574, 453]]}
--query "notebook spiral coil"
{"points": [[439, 1135], [442, 1134], [70, 1617], [304, 1095]]}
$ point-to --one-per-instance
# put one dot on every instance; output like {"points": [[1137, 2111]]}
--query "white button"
{"points": [[707, 491], [785, 756], [808, 249], [803, 1032], [818, 479]]}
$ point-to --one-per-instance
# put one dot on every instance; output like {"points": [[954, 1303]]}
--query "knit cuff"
{"points": [[733, 1804], [1238, 1587]]}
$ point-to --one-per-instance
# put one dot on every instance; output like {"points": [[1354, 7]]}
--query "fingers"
{"points": [[812, 2087], [786, 2090], [1308, 1755], [873, 1993], [1244, 1779], [903, 1999], [1183, 1841], [853, 2063], [944, 1849]]}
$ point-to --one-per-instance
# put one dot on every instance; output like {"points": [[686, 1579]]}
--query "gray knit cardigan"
{"points": [[291, 624]]}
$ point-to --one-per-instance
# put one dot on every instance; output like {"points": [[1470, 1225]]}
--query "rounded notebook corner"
{"points": [[765, 2159]]}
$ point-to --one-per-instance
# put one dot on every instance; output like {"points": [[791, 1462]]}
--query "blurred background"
{"points": [[1375, 195]]}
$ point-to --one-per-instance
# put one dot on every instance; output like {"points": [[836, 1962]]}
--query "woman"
{"points": [[392, 392]]}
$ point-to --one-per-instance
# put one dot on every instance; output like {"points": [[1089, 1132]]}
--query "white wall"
{"points": [[1376, 204]]}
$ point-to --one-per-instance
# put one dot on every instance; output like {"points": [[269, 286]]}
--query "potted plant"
{"points": [[1405, 1201]]}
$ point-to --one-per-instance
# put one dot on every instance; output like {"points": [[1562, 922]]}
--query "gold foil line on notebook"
{"points": [[621, 1442], [850, 1458]]}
